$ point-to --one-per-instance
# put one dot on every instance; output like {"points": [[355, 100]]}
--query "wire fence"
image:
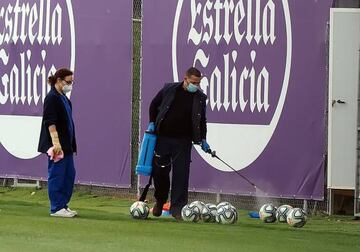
{"points": [[136, 69]]}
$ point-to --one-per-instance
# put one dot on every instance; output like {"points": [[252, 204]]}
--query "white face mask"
{"points": [[67, 88]]}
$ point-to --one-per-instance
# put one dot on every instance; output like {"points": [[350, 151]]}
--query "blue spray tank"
{"points": [[146, 154]]}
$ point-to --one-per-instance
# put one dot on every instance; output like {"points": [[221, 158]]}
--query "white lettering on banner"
{"points": [[31, 32], [237, 78], [226, 13], [27, 17], [39, 23], [222, 13], [219, 94], [22, 85]]}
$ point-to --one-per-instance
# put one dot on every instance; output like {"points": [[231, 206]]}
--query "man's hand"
{"points": [[205, 146], [56, 142]]}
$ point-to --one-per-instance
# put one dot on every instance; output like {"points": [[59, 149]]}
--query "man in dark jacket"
{"points": [[178, 116]]}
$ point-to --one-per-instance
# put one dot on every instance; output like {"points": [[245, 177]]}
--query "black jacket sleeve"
{"points": [[154, 106], [50, 116], [203, 121]]}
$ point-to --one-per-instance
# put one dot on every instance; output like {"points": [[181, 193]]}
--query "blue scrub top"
{"points": [[70, 122]]}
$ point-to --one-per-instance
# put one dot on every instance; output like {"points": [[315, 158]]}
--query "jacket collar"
{"points": [[54, 91]]}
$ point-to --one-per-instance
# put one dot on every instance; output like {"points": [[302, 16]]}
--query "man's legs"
{"points": [[161, 169], [180, 175]]}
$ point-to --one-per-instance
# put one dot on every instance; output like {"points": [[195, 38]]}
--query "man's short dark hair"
{"points": [[193, 71]]}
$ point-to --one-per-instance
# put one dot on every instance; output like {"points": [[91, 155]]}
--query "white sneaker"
{"points": [[71, 211], [63, 213]]}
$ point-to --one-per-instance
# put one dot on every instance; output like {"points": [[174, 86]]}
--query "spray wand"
{"points": [[213, 154]]}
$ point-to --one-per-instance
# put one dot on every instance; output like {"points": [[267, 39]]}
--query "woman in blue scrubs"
{"points": [[58, 135]]}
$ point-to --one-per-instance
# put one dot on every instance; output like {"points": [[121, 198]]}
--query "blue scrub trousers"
{"points": [[61, 182]]}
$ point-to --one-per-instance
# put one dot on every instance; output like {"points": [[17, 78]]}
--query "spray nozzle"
{"points": [[212, 153]]}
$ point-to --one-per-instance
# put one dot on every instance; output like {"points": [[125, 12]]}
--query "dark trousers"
{"points": [[172, 153], [60, 182]]}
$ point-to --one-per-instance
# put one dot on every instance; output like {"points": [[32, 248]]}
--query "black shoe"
{"points": [[157, 209]]}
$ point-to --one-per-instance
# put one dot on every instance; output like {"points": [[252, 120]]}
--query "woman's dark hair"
{"points": [[61, 73]]}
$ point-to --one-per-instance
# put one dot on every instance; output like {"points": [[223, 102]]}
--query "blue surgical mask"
{"points": [[191, 88]]}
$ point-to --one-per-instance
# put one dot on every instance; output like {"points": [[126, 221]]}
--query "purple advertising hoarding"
{"points": [[264, 72], [39, 36]]}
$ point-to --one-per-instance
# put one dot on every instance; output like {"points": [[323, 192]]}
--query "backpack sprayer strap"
{"points": [[146, 189], [171, 159]]}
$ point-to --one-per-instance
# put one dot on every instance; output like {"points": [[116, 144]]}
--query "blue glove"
{"points": [[205, 146], [151, 127]]}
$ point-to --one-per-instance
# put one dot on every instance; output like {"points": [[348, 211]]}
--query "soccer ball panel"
{"points": [[197, 203], [224, 203], [267, 213], [282, 212], [190, 213], [208, 213]]}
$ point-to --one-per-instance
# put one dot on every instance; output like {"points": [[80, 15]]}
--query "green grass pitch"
{"points": [[104, 224]]}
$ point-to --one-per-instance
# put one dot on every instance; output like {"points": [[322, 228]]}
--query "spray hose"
{"points": [[213, 154]]}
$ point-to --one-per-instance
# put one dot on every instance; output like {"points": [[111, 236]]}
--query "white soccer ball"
{"points": [[226, 215], [208, 213], [267, 213], [139, 210], [198, 203], [282, 212], [190, 213], [296, 218]]}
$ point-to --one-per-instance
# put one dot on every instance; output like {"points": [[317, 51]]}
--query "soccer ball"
{"points": [[191, 213], [296, 217], [139, 210], [268, 213], [226, 215], [282, 212], [208, 213], [199, 204]]}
